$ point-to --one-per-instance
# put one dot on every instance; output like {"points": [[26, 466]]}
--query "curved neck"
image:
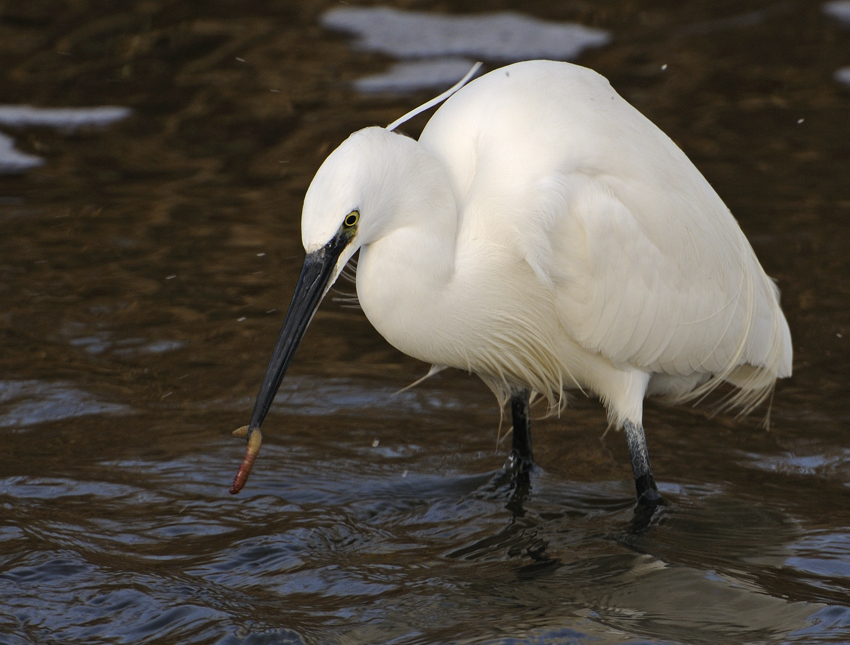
{"points": [[403, 274]]}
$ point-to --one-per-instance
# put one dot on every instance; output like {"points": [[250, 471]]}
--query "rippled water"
{"points": [[144, 271]]}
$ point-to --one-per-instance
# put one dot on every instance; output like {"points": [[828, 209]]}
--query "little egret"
{"points": [[546, 236]]}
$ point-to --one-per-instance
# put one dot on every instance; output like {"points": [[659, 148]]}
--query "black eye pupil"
{"points": [[351, 220]]}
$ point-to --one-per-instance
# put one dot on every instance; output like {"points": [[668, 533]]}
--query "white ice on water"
{"points": [[437, 49], [410, 76], [841, 11], [21, 116], [14, 161]]}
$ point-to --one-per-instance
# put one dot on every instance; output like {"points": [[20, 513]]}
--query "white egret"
{"points": [[544, 235]]}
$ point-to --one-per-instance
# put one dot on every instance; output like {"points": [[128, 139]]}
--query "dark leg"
{"points": [[647, 492], [520, 459]]}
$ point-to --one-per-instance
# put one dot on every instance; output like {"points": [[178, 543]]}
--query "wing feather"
{"points": [[646, 264]]}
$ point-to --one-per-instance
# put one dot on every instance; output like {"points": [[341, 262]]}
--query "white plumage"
{"points": [[546, 236], [543, 233]]}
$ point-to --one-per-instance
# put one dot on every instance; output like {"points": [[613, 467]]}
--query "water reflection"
{"points": [[539, 559], [28, 403]]}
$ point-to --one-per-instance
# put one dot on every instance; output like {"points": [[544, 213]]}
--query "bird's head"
{"points": [[371, 184], [375, 182], [351, 202]]}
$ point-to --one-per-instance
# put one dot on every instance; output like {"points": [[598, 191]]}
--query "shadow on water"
{"points": [[153, 159]]}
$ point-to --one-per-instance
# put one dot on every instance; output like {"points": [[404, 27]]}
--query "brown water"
{"points": [[145, 270]]}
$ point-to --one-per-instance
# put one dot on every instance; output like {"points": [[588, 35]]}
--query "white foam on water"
{"points": [[839, 9], [13, 162], [20, 116], [444, 40]]}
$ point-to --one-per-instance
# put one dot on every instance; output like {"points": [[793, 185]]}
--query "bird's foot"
{"points": [[647, 492], [517, 463], [650, 510], [517, 471], [650, 499]]}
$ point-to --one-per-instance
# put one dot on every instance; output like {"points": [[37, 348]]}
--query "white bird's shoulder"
{"points": [[613, 216], [519, 118]]}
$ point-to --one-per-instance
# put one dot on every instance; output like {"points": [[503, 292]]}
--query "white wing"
{"points": [[663, 281], [646, 264]]}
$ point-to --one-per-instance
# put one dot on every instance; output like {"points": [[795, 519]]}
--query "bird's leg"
{"points": [[520, 459], [647, 492]]}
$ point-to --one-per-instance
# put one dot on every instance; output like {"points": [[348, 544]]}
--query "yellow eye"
{"points": [[351, 219]]}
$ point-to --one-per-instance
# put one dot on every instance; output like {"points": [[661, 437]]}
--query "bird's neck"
{"points": [[402, 277]]}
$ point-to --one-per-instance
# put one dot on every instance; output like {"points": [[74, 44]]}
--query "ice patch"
{"points": [[14, 161], [416, 75], [444, 40], [840, 10], [21, 116], [502, 37]]}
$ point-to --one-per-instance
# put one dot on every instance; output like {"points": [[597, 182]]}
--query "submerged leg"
{"points": [[520, 459], [647, 492]]}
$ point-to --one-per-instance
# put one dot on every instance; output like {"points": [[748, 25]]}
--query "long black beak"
{"points": [[312, 284]]}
